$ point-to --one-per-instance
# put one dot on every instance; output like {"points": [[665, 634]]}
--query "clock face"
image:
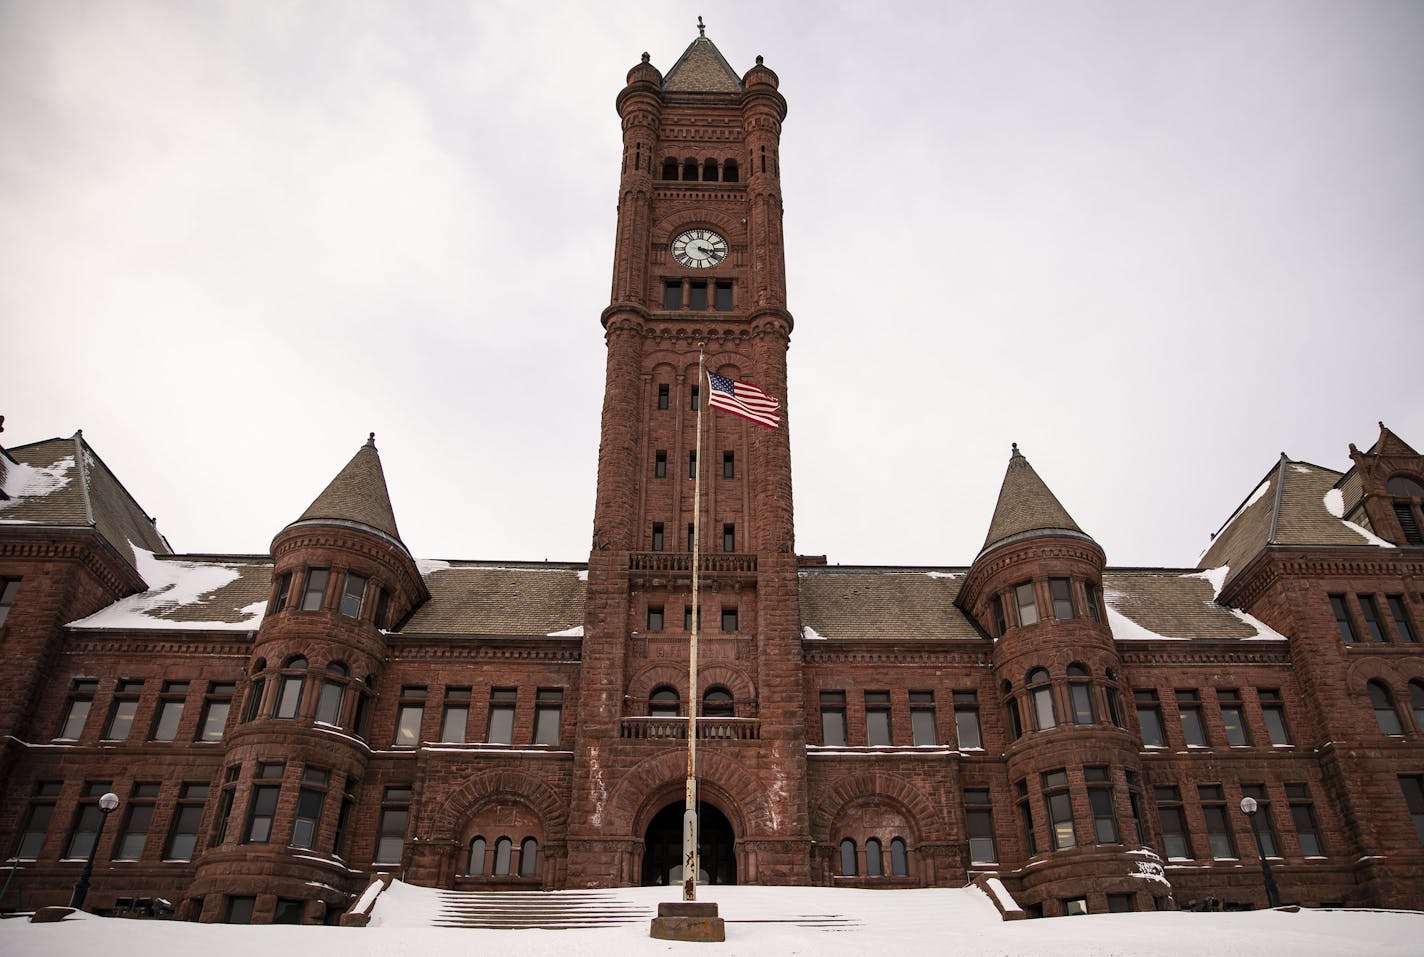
{"points": [[699, 248]]}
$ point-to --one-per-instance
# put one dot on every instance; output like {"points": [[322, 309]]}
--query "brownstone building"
{"points": [[279, 728]]}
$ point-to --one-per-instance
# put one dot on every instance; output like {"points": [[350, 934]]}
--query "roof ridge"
{"points": [[1280, 493], [79, 447]]}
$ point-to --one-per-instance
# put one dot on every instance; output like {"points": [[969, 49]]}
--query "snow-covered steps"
{"points": [[545, 910]]}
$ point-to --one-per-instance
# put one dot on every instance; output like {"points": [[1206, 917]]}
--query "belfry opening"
{"points": [[662, 847]]}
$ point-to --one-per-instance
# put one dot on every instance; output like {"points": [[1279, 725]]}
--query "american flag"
{"points": [[740, 398]]}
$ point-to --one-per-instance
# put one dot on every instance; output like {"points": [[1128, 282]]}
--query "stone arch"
{"points": [[641, 685], [723, 781], [481, 789], [733, 679], [877, 787]]}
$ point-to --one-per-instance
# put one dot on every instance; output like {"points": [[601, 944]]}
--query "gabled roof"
{"points": [[1027, 505], [357, 494], [63, 483], [1296, 504], [702, 69]]}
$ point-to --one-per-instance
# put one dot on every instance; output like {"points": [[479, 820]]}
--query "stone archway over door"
{"points": [[716, 846]]}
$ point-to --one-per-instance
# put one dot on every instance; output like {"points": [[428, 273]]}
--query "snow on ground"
{"points": [[172, 583], [761, 920]]}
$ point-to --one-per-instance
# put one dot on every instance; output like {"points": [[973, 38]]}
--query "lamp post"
{"points": [[107, 805], [1273, 894]]}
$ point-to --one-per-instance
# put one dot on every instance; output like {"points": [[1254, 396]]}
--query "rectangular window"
{"points": [[170, 711], [1026, 817], [1262, 822], [687, 618], [1061, 591], [657, 536], [672, 299], [692, 465], [1176, 841], [9, 587], [1307, 831], [1075, 907], [1094, 610], [1134, 803], [1026, 603], [183, 834], [660, 464], [383, 602], [254, 698], [548, 714], [1218, 825], [697, 294], [1100, 801], [76, 713], [122, 711], [225, 802], [315, 590], [353, 594], [1120, 903], [1011, 710], [456, 716], [691, 534], [966, 720], [723, 296], [663, 396], [288, 911], [729, 465], [833, 720], [37, 821], [86, 821], [1189, 707], [729, 537], [1402, 625], [216, 705], [655, 618], [343, 819], [1413, 786], [1370, 611], [729, 620], [1233, 717], [695, 398], [996, 605], [1060, 810], [395, 816], [138, 815], [1149, 718], [922, 718], [877, 718], [262, 809], [979, 822], [281, 586], [410, 716], [1274, 713], [1342, 618], [309, 803], [239, 909], [501, 716]]}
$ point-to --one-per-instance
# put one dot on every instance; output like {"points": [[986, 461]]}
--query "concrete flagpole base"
{"points": [[693, 921]]}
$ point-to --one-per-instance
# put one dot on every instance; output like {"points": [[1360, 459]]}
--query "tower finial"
{"points": [[701, 28]]}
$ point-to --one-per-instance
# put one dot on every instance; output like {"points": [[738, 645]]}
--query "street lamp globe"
{"points": [[109, 802], [1248, 806]]}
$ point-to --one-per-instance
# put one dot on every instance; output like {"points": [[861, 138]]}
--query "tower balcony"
{"points": [[643, 728], [678, 564]]}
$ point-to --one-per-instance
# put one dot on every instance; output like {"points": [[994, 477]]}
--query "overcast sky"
{"points": [[1156, 244]]}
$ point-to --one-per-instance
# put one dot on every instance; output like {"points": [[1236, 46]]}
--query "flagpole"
{"points": [[689, 817]]}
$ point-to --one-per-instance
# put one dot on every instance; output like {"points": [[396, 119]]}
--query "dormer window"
{"points": [[1408, 493]]}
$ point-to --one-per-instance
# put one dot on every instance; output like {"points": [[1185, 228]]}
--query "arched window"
{"points": [[1404, 486], [1114, 699], [1416, 703], [709, 171], [333, 694], [528, 857], [1011, 708], [477, 857], [899, 860], [289, 693], [255, 687], [669, 168], [502, 849], [717, 703], [1383, 703], [689, 169], [1080, 694], [1040, 695], [663, 703], [874, 863], [848, 868], [729, 171]]}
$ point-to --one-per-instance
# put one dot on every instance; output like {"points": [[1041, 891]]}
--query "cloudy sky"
{"points": [[1156, 244]]}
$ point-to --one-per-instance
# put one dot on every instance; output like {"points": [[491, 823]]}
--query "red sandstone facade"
{"points": [[281, 728]]}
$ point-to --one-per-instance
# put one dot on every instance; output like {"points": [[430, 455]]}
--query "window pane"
{"points": [[1027, 605], [528, 857], [877, 727], [899, 860], [546, 724], [74, 719], [848, 863], [328, 705], [833, 731], [316, 589], [452, 727], [1235, 726], [1082, 695], [170, 713], [502, 850], [289, 697], [1061, 592], [408, 725], [922, 726], [392, 837], [501, 725], [121, 720], [352, 595], [134, 833]]}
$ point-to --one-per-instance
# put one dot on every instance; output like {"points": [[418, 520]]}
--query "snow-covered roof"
{"points": [[190, 592]]}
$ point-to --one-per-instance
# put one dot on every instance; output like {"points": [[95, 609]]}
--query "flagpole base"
{"points": [[691, 921]]}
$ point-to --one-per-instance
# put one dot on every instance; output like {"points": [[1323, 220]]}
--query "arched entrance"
{"points": [[662, 848]]}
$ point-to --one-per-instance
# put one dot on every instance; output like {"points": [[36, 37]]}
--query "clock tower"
{"points": [[698, 267]]}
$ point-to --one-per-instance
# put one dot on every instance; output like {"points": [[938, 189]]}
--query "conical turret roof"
{"points": [[702, 69], [1027, 505], [357, 494]]}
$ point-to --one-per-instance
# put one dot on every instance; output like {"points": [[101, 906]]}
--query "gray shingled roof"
{"points": [[1025, 504], [702, 69], [510, 599], [861, 602], [357, 494], [1287, 508], [63, 483], [1169, 603], [198, 592]]}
